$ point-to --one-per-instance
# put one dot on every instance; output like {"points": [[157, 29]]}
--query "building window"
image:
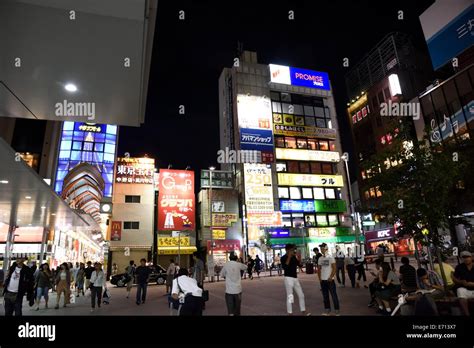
{"points": [[290, 143], [307, 193], [281, 167], [304, 167], [332, 146], [295, 193], [301, 144], [330, 194], [327, 168], [318, 192], [372, 192], [131, 225], [132, 199], [279, 141], [333, 220], [309, 220], [378, 193], [293, 167], [323, 145], [275, 95], [298, 220], [276, 107], [321, 220], [312, 144], [286, 220], [321, 123], [316, 168], [283, 192]]}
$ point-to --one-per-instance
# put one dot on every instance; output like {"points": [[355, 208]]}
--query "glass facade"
{"points": [[95, 144]]}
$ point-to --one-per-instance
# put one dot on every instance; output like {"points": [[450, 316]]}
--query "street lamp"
{"points": [[211, 169], [345, 158]]}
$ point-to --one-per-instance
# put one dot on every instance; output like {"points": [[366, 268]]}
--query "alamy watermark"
{"points": [[37, 331], [400, 109], [238, 156], [69, 109]]}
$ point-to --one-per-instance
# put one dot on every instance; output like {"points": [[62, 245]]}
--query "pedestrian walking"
{"points": [[198, 270], [233, 284], [242, 272], [186, 290], [326, 273], [72, 271], [97, 282], [350, 266], [63, 282], [250, 265], [88, 273], [340, 267], [43, 282], [258, 265], [80, 277], [277, 263], [170, 273], [143, 275], [360, 263], [290, 265], [130, 276], [17, 283]]}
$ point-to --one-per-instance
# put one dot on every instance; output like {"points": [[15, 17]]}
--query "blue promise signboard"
{"points": [[309, 78], [256, 139], [306, 206]]}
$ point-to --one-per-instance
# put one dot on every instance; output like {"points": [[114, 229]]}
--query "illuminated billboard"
{"points": [[299, 77], [91, 143], [258, 188], [322, 180], [176, 200], [305, 131], [307, 155], [131, 170]]}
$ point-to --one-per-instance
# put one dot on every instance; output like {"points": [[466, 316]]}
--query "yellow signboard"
{"points": [[286, 179], [304, 131], [173, 241], [218, 234], [223, 220], [307, 155], [176, 251]]}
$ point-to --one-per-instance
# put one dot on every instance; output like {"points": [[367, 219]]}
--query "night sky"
{"points": [[188, 57]]}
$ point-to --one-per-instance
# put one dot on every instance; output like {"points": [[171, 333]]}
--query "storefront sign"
{"points": [[177, 251], [224, 245], [279, 233], [322, 232], [265, 219], [254, 112], [285, 179], [220, 179], [116, 231], [256, 139], [299, 77], [176, 200], [218, 234], [378, 235], [173, 241], [297, 206], [132, 170], [223, 220], [305, 131], [258, 188], [330, 206], [307, 155]]}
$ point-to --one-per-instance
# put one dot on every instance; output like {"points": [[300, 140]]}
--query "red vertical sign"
{"points": [[176, 200], [116, 231]]}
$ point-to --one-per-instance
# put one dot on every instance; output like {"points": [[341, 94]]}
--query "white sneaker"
{"points": [[325, 314]]}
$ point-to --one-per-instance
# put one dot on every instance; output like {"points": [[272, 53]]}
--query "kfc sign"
{"points": [[378, 235], [176, 200]]}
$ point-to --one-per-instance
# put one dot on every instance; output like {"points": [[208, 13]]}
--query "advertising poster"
{"points": [[135, 170], [116, 231], [258, 188], [176, 200]]}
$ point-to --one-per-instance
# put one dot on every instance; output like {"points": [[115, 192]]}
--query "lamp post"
{"points": [[345, 158], [211, 169]]}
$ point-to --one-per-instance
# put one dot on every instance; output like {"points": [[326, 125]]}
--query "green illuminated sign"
{"points": [[330, 206]]}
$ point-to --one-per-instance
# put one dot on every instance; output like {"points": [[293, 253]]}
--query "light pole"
{"points": [[211, 169], [345, 158]]}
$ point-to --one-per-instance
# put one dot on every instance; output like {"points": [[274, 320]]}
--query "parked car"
{"points": [[158, 276]]}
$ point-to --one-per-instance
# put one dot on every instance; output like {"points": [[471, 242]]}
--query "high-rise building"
{"points": [[279, 135]]}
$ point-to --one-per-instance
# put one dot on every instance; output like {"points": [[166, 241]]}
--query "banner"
{"points": [[218, 234], [330, 206], [258, 188], [132, 170], [265, 219], [116, 231], [223, 220], [307, 155], [176, 200], [285, 179], [305, 131], [173, 241]]}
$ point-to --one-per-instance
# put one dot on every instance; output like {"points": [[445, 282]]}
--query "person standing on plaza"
{"points": [[250, 265], [359, 265], [198, 270], [143, 275], [233, 284], [258, 265], [316, 256], [42, 284], [72, 272], [114, 269], [80, 276], [350, 266], [277, 263], [340, 267], [17, 283], [186, 290], [326, 273], [170, 273], [63, 282], [290, 265], [88, 272], [130, 276], [97, 282]]}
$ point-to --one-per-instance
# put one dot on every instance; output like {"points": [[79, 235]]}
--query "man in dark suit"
{"points": [[19, 282]]}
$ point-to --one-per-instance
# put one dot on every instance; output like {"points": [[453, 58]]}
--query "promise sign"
{"points": [[176, 200]]}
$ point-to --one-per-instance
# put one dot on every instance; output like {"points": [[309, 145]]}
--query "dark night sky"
{"points": [[189, 55]]}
